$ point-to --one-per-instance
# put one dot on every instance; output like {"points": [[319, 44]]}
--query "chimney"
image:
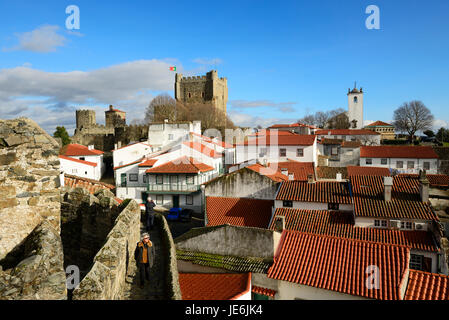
{"points": [[90, 147], [111, 107], [423, 186], [284, 171], [338, 177], [310, 178], [388, 184], [279, 223], [61, 178]]}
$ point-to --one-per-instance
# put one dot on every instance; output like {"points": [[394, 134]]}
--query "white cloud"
{"points": [[438, 123], [51, 98], [43, 40], [284, 107], [206, 61]]}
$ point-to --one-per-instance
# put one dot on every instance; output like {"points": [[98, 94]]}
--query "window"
{"points": [[123, 180], [334, 151], [416, 261], [399, 164], [282, 152], [350, 152], [74, 170], [383, 161], [426, 165], [159, 199], [300, 152], [133, 177], [189, 200], [170, 136], [202, 94], [189, 179], [287, 204], [410, 164], [380, 223], [262, 152], [369, 161], [406, 225], [332, 206], [159, 179], [82, 158], [144, 178], [190, 95], [174, 179], [355, 99]]}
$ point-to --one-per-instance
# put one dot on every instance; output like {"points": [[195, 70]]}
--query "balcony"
{"points": [[173, 188]]}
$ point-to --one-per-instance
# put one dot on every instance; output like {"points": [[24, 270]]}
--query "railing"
{"points": [[173, 187]]}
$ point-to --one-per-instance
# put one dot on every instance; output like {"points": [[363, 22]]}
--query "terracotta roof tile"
{"points": [[331, 172], [214, 286], [264, 291], [346, 132], [340, 264], [341, 224], [435, 180], [89, 184], [268, 172], [351, 144], [74, 149], [203, 149], [87, 163], [368, 171], [320, 191], [148, 163], [420, 152], [379, 124], [368, 193], [427, 286], [223, 144], [128, 164], [181, 165], [238, 212], [300, 170]]}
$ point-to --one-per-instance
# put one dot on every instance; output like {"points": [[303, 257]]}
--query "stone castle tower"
{"points": [[355, 108], [115, 118], [202, 89], [85, 119]]}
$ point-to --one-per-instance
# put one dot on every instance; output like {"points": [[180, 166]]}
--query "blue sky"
{"points": [[283, 59]]}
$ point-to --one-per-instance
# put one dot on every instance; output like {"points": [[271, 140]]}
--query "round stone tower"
{"points": [[85, 118]]}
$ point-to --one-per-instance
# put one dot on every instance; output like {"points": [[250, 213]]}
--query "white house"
{"points": [[275, 147], [404, 159], [130, 153], [166, 133], [366, 137], [80, 168], [87, 154]]}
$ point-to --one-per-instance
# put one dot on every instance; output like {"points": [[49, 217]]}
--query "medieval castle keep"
{"points": [[202, 89]]}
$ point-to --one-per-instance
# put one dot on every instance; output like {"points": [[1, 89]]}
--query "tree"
{"points": [[429, 133], [443, 135], [411, 117], [62, 133], [160, 108], [309, 120]]}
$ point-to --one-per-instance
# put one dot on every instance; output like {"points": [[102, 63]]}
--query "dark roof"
{"points": [[368, 171], [331, 172], [319, 191]]}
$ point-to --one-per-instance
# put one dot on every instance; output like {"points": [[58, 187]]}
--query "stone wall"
{"points": [[106, 278], [29, 181], [172, 279], [34, 270]]}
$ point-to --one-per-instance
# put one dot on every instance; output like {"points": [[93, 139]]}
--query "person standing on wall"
{"points": [[149, 211], [144, 256]]}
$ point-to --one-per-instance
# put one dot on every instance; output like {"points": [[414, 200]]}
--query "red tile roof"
{"points": [[415, 152], [427, 286], [346, 132], [74, 149], [300, 170], [320, 191], [238, 212], [351, 144], [368, 171], [223, 144], [214, 286], [89, 184], [203, 149], [128, 164], [341, 224], [368, 193], [268, 172], [148, 163], [87, 163], [294, 125], [181, 165], [282, 140], [435, 180], [379, 124], [273, 132], [264, 291], [340, 264]]}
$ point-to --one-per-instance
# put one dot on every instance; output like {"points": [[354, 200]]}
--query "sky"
{"points": [[283, 59]]}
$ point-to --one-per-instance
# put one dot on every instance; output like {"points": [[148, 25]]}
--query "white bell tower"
{"points": [[355, 108]]}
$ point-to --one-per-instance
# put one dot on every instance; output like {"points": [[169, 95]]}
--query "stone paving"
{"points": [[155, 289]]}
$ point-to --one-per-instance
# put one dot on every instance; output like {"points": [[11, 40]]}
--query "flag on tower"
{"points": [[172, 68]]}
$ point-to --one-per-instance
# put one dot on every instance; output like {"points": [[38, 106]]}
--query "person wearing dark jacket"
{"points": [[144, 256], [149, 211]]}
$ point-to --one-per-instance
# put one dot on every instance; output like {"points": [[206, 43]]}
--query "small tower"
{"points": [[355, 108]]}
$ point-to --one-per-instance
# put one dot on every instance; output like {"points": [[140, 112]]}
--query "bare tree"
{"points": [[309, 120], [411, 117], [160, 108], [338, 119]]}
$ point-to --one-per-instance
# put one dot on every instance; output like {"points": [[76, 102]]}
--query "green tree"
{"points": [[62, 133], [429, 133], [443, 135]]}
